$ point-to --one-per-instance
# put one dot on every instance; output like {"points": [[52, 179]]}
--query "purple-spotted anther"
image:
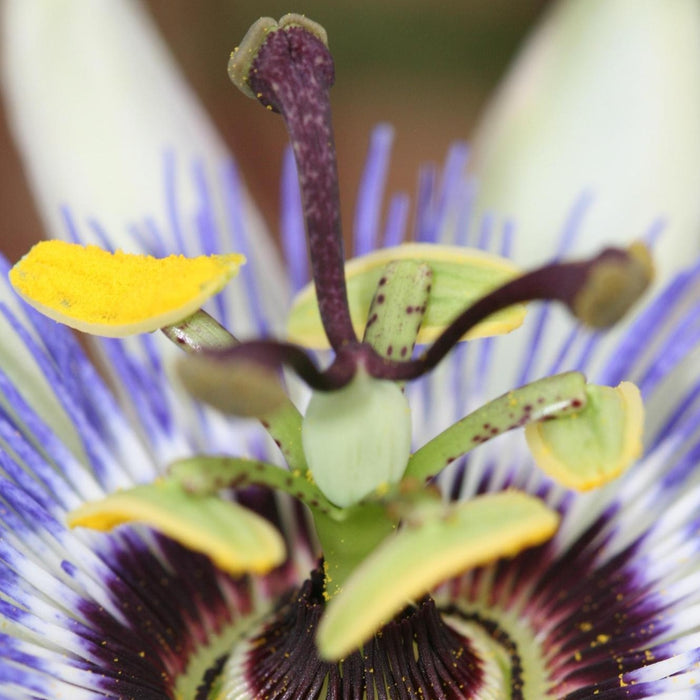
{"points": [[441, 572]]}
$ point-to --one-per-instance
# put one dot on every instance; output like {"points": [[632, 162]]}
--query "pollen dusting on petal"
{"points": [[117, 294], [460, 277], [236, 539], [587, 449], [408, 565]]}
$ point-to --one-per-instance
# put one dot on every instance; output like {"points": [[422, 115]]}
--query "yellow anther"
{"points": [[117, 294]]}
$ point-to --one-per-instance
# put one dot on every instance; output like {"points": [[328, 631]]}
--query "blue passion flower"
{"points": [[491, 580]]}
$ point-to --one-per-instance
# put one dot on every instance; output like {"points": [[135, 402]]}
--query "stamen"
{"points": [[583, 286], [235, 538], [117, 294], [288, 67], [207, 475], [544, 399], [436, 542]]}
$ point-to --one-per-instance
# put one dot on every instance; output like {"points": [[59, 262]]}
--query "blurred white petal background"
{"points": [[604, 97], [94, 100]]}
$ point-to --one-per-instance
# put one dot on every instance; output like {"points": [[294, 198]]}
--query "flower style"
{"points": [[595, 611]]}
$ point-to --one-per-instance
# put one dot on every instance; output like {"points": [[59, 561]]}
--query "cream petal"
{"points": [[94, 99], [97, 106], [604, 97]]}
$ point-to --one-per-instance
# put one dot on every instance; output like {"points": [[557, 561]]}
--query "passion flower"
{"points": [[437, 573]]}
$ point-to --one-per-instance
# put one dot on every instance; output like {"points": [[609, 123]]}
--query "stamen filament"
{"points": [[207, 475], [545, 398], [398, 307]]}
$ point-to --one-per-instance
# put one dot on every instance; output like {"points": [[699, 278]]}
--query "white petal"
{"points": [[95, 102], [605, 96]]}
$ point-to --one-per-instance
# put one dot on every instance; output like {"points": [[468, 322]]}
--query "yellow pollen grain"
{"points": [[118, 293], [382, 489]]}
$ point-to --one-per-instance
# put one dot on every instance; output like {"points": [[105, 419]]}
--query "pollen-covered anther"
{"points": [[117, 294], [613, 286]]}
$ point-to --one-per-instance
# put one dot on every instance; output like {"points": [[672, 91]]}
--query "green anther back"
{"points": [[398, 308]]}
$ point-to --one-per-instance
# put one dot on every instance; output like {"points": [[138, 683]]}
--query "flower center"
{"points": [[354, 629], [417, 654]]}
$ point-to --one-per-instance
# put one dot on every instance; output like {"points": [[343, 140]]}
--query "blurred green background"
{"points": [[425, 66]]}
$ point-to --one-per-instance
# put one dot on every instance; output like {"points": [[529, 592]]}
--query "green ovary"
{"points": [[357, 440]]}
